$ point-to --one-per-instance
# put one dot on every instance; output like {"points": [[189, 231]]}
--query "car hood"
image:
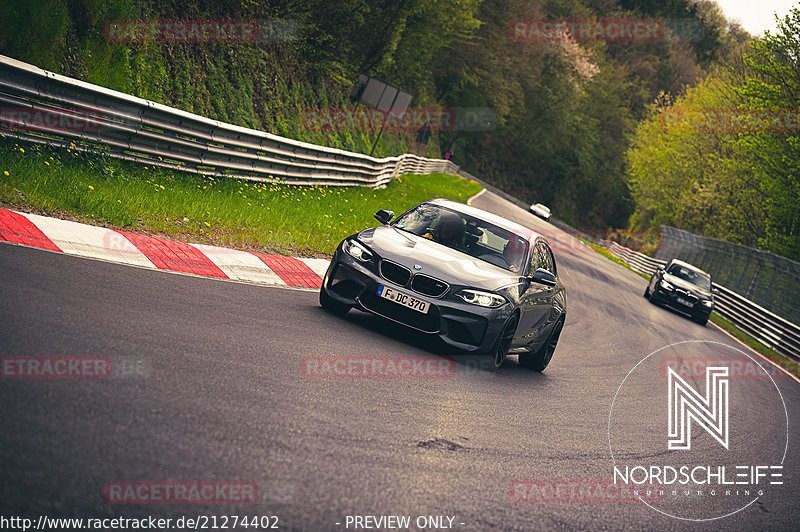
{"points": [[436, 260], [686, 285]]}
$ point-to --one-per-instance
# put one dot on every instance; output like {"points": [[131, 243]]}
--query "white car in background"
{"points": [[542, 211]]}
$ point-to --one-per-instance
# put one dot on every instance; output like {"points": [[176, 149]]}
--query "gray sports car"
{"points": [[479, 282]]}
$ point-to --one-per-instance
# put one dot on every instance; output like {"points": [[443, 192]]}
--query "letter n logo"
{"points": [[685, 405]]}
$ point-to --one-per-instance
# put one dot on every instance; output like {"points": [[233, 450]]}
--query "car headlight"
{"points": [[665, 285], [483, 299], [357, 251], [707, 303]]}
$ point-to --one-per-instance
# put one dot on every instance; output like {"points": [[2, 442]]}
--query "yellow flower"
{"points": [[22, 150], [6, 172], [207, 224], [91, 187], [47, 163]]}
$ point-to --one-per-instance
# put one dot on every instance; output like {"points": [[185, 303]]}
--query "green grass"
{"points": [[792, 366], [273, 218], [604, 252]]}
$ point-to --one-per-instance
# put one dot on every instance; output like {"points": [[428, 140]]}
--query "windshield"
{"points": [[473, 236], [696, 278]]}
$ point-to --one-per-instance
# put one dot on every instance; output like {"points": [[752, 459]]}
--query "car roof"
{"points": [[690, 266], [499, 221]]}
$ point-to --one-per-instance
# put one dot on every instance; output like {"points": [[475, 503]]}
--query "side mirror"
{"points": [[544, 277], [384, 216]]}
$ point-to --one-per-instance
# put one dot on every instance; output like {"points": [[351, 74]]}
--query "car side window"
{"points": [[538, 259], [549, 259]]}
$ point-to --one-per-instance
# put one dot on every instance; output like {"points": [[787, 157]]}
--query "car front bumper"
{"points": [[672, 299], [463, 325]]}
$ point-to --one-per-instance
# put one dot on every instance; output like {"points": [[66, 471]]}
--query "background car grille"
{"points": [[691, 298], [425, 284], [391, 271]]}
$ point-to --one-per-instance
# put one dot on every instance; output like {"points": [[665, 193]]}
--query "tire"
{"points": [[647, 292], [503, 343], [332, 306], [702, 320], [538, 361], [653, 297]]}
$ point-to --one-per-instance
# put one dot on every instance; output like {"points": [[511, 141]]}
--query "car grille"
{"points": [[391, 271], [691, 298], [428, 322], [425, 284]]}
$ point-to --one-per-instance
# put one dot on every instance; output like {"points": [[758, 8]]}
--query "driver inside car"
{"points": [[449, 230], [514, 252]]}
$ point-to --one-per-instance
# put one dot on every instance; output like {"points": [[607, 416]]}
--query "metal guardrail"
{"points": [[766, 327], [62, 110]]}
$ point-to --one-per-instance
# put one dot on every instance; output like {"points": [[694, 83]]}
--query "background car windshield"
{"points": [[473, 236], [696, 278]]}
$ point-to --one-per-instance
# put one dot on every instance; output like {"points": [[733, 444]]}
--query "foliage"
{"points": [[736, 181], [565, 112]]}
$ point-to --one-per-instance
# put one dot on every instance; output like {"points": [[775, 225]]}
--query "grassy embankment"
{"points": [[273, 218]]}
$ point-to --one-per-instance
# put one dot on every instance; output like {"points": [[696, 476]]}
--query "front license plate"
{"points": [[403, 299], [685, 303]]}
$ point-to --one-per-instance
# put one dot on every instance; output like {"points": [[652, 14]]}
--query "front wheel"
{"points": [[331, 305], [653, 297], [503, 343], [539, 360]]}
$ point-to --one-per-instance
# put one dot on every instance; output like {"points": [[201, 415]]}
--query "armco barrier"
{"points": [[43, 107], [766, 327]]}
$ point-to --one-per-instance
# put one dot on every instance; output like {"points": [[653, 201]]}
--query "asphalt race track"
{"points": [[212, 388]]}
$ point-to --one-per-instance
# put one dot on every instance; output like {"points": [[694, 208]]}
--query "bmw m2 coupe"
{"points": [[479, 282]]}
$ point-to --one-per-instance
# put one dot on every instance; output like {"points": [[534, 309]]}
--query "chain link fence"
{"points": [[767, 279]]}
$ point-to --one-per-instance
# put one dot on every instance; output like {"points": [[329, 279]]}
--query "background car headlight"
{"points": [[665, 285], [357, 251], [707, 303], [483, 299]]}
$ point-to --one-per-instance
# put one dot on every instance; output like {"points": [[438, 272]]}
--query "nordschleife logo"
{"points": [[685, 405], [726, 441]]}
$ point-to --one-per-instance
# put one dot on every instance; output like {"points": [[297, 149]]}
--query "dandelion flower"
{"points": [[6, 172], [91, 187]]}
